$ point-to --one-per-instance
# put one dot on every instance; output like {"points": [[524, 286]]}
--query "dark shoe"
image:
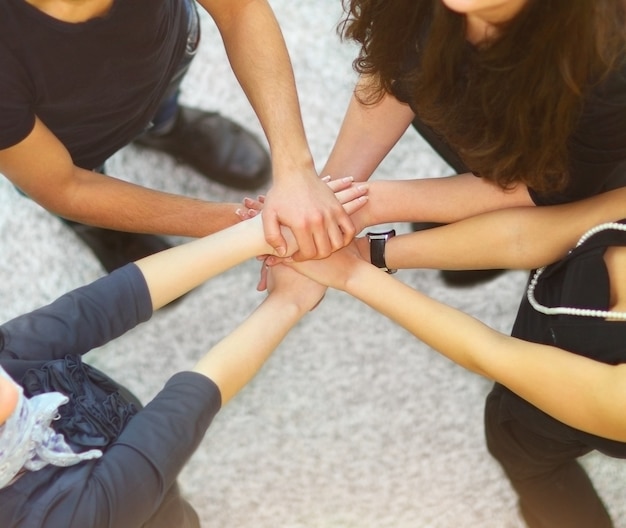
{"points": [[115, 249], [460, 278], [463, 278], [217, 147]]}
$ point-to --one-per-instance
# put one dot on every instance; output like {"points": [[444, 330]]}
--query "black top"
{"points": [[580, 280], [128, 486], [597, 146], [95, 84]]}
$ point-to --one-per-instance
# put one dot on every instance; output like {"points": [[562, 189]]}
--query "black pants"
{"points": [[539, 456]]}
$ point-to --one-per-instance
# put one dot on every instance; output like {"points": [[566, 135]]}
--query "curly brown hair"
{"points": [[508, 105]]}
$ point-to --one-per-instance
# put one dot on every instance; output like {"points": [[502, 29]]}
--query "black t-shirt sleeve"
{"points": [[16, 113]]}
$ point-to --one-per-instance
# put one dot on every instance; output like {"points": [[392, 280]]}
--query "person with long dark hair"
{"points": [[524, 99], [81, 79]]}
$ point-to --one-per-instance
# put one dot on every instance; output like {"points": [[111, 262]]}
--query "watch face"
{"points": [[381, 236]]}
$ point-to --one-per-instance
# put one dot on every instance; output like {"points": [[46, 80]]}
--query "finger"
{"points": [[337, 237], [307, 248], [271, 261], [262, 284], [355, 205], [246, 214], [340, 184], [273, 235], [253, 204], [352, 193], [323, 241]]}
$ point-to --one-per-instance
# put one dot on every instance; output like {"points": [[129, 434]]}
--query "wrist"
{"points": [[290, 165], [288, 305], [254, 235], [363, 247], [358, 279], [377, 248]]}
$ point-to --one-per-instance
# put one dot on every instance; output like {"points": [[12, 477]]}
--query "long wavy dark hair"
{"points": [[508, 105]]}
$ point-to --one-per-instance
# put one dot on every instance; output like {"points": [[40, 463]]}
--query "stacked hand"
{"points": [[331, 270]]}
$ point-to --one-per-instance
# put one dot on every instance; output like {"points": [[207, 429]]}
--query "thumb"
{"points": [[273, 235]]}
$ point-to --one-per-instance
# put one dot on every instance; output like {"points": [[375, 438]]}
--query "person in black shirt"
{"points": [[81, 79], [510, 102]]}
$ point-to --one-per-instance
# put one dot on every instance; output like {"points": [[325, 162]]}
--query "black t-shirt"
{"points": [[95, 84], [597, 146]]}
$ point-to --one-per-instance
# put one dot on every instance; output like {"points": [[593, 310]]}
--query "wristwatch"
{"points": [[377, 248]]}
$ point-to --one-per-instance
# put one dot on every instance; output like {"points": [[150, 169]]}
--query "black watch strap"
{"points": [[378, 241]]}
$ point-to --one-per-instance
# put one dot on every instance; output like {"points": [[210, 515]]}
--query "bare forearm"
{"points": [[103, 201], [260, 60], [514, 238], [234, 361], [51, 179], [176, 271], [366, 136], [427, 319], [581, 392], [441, 200]]}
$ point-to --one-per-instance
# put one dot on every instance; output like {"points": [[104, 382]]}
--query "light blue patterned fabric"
{"points": [[28, 442]]}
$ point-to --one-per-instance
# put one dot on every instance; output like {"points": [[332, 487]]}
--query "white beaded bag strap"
{"points": [[565, 310]]}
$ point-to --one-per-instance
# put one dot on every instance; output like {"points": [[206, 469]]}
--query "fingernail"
{"points": [[347, 179], [326, 178], [363, 187], [281, 251], [251, 212]]}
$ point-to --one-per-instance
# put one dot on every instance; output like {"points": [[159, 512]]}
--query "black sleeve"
{"points": [[80, 320], [597, 146]]}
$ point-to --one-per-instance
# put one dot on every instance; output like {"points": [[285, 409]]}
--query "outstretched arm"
{"points": [[578, 391], [173, 272], [52, 180], [234, 361], [514, 238], [367, 135], [259, 58]]}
